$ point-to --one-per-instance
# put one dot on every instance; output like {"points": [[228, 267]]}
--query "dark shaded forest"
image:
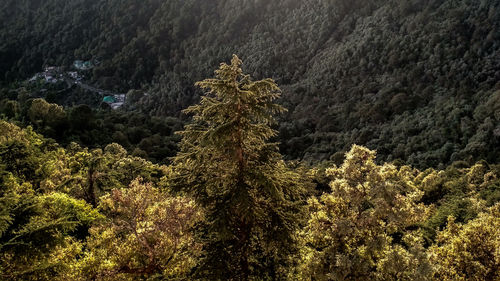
{"points": [[415, 80]]}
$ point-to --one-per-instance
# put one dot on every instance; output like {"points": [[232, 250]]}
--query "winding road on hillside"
{"points": [[88, 87]]}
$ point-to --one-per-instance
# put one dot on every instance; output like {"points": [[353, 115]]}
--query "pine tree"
{"points": [[228, 164]]}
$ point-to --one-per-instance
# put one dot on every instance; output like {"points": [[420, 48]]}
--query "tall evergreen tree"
{"points": [[228, 164]]}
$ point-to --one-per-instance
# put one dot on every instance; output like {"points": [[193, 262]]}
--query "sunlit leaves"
{"points": [[228, 164], [40, 242], [470, 251], [351, 233], [146, 233]]}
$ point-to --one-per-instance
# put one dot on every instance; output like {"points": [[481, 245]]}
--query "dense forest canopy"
{"points": [[79, 214], [360, 140], [416, 80]]}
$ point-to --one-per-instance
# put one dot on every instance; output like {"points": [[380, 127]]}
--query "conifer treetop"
{"points": [[234, 116]]}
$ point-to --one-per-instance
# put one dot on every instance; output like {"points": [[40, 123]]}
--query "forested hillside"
{"points": [[229, 208], [416, 80]]}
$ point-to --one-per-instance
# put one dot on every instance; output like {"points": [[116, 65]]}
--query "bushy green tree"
{"points": [[470, 251], [9, 108], [232, 169], [40, 228], [49, 118], [459, 191], [146, 235], [94, 173], [39, 232], [360, 231]]}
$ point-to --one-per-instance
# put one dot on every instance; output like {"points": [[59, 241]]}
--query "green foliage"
{"points": [[461, 192], [362, 229], [373, 222], [152, 136], [21, 152], [469, 251], [415, 80], [146, 235], [39, 229], [38, 235], [227, 163], [44, 223], [96, 172], [9, 108], [45, 115]]}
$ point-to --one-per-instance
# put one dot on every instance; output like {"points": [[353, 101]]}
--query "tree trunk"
{"points": [[244, 264]]}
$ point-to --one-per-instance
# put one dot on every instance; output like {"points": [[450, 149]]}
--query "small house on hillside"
{"points": [[115, 101], [83, 65], [109, 99]]}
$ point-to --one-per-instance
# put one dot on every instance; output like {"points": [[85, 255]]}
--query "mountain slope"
{"points": [[416, 80]]}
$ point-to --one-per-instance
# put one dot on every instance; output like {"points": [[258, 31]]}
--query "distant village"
{"points": [[55, 74]]}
